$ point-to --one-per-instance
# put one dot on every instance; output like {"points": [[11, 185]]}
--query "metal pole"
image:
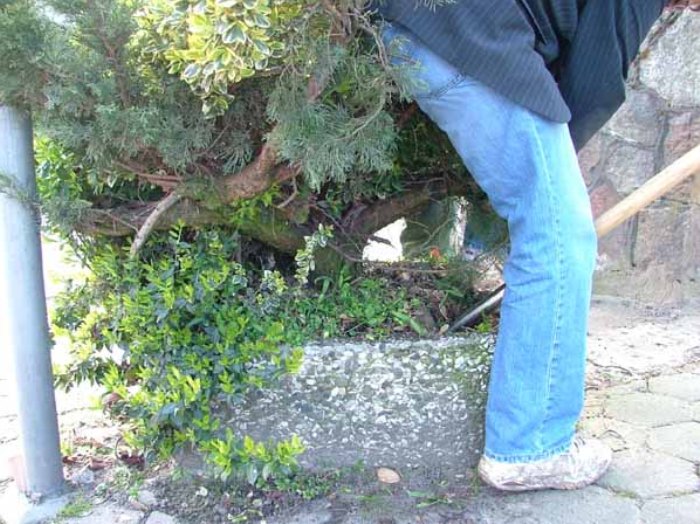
{"points": [[23, 322], [473, 316]]}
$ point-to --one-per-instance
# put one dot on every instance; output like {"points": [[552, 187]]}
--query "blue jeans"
{"points": [[528, 168]]}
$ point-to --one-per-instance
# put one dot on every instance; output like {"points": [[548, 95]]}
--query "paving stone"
{"points": [[635, 386], [7, 407], [615, 433], [674, 510], [8, 430], [592, 505], [646, 409], [160, 518], [108, 514], [593, 426], [650, 474], [685, 386], [641, 345], [680, 440], [16, 508], [594, 405]]}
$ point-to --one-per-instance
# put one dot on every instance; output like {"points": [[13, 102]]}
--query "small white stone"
{"points": [[84, 477], [147, 498]]}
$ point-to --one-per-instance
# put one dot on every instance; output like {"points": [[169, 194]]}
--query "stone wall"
{"points": [[655, 257]]}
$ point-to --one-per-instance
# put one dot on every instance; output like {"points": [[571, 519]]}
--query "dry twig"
{"points": [[150, 223]]}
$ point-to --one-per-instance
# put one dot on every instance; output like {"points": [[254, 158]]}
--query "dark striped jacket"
{"points": [[564, 59]]}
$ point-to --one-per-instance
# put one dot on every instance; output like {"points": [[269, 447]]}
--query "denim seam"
{"points": [[556, 329], [410, 48], [531, 457], [438, 92]]}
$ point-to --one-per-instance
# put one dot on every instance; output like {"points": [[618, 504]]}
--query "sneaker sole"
{"points": [[544, 485]]}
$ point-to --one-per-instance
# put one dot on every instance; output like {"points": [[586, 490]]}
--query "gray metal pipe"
{"points": [[23, 321]]}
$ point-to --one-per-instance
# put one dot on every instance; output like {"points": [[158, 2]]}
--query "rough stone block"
{"points": [[648, 474], [660, 233], [675, 510], [660, 248], [589, 158], [676, 52], [659, 122], [628, 166], [683, 134], [639, 119], [690, 256], [684, 386], [408, 405], [680, 440], [614, 248], [649, 410], [603, 196]]}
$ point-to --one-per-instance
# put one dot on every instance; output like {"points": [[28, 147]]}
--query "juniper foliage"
{"points": [[280, 122]]}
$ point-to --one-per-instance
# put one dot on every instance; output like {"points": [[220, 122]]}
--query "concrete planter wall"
{"points": [[412, 405]]}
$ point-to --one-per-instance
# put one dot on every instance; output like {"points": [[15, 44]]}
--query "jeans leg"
{"points": [[537, 380], [528, 167]]}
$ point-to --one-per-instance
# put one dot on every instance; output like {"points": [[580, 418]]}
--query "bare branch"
{"points": [[164, 181], [150, 223]]}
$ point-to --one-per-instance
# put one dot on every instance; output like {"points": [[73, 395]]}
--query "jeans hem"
{"points": [[532, 457]]}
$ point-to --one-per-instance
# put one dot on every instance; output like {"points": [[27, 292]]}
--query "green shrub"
{"points": [[186, 330]]}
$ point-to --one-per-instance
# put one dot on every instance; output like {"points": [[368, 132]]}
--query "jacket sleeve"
{"points": [[595, 67]]}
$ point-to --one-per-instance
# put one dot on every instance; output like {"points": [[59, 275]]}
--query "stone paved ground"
{"points": [[643, 399]]}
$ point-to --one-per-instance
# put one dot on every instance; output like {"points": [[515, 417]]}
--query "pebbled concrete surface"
{"points": [[414, 405]]}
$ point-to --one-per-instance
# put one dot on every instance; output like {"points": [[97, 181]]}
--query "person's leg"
{"points": [[528, 167]]}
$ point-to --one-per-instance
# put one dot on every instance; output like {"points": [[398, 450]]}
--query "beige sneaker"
{"points": [[584, 463]]}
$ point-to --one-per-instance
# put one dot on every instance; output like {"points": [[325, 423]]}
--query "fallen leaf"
{"points": [[388, 476], [435, 253], [109, 400], [97, 464], [72, 459], [132, 460]]}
